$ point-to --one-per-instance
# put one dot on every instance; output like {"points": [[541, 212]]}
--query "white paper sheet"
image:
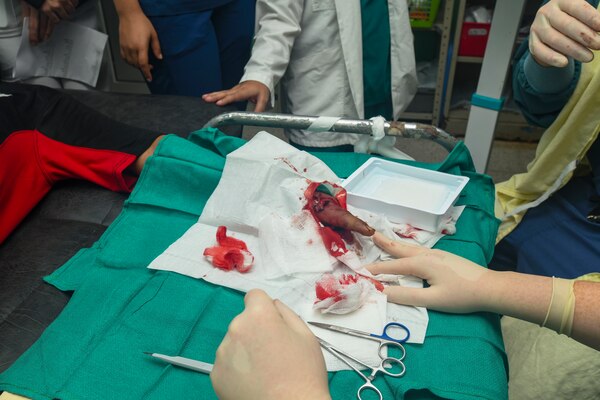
{"points": [[73, 51], [260, 199]]}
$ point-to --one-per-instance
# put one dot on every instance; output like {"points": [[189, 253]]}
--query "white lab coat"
{"points": [[314, 48]]}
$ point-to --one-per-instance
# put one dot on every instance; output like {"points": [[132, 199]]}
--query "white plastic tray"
{"points": [[404, 194]]}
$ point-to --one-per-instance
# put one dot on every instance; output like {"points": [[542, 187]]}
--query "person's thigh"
{"points": [[234, 27], [190, 64], [555, 238]]}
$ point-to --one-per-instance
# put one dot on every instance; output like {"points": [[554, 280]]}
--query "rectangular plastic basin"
{"points": [[404, 194]]}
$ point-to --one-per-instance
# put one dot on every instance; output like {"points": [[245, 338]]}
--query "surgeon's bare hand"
{"points": [[457, 285], [137, 36], [256, 92], [564, 28], [56, 10], [269, 354]]}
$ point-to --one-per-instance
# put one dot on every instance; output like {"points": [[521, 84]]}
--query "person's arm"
{"points": [[457, 285], [136, 36], [548, 64], [278, 27], [269, 353]]}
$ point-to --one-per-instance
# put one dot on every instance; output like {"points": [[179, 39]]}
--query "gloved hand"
{"points": [[457, 285], [564, 28], [269, 353]]}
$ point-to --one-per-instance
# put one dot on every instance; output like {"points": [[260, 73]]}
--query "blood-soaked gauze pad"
{"points": [[230, 254], [342, 294]]}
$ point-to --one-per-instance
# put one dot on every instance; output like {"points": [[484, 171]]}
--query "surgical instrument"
{"points": [[195, 365]]}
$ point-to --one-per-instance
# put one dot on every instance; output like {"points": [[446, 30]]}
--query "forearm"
{"points": [[528, 297], [586, 322], [127, 7], [522, 296]]}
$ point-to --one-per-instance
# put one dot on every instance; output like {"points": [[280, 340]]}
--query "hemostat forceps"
{"points": [[368, 385]]}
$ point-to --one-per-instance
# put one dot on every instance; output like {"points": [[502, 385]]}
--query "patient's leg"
{"points": [[47, 136]]}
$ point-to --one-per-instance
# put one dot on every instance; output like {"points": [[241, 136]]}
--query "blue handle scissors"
{"points": [[385, 339]]}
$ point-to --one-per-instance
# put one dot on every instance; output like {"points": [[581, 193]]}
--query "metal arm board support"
{"points": [[395, 128]]}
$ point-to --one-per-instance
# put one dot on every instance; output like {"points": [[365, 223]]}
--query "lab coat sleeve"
{"points": [[278, 25]]}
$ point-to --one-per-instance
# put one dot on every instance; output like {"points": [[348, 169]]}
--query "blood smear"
{"points": [[230, 254]]}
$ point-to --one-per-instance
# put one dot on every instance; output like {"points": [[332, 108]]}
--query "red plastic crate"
{"points": [[473, 39]]}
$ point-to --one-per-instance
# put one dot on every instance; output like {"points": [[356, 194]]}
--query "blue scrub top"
{"points": [[163, 8]]}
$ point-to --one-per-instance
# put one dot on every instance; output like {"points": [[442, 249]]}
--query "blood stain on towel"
{"points": [[289, 164], [230, 254]]}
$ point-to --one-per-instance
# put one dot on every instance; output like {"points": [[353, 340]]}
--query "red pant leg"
{"points": [[22, 182], [30, 163]]}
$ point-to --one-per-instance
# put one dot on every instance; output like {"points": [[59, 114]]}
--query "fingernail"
{"points": [[160, 56]]}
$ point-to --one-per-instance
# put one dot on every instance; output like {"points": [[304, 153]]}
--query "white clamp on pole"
{"points": [[379, 143]]}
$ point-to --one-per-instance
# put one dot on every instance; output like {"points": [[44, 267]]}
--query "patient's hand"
{"points": [[329, 212]]}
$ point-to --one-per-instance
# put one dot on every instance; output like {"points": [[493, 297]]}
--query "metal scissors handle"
{"points": [[368, 385], [385, 341]]}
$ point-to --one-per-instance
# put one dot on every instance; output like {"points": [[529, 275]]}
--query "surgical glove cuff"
{"points": [[559, 316]]}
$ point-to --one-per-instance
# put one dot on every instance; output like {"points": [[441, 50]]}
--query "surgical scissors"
{"points": [[385, 339], [368, 385]]}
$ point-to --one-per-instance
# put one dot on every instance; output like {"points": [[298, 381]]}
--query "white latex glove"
{"points": [[269, 353], [457, 285], [564, 28]]}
